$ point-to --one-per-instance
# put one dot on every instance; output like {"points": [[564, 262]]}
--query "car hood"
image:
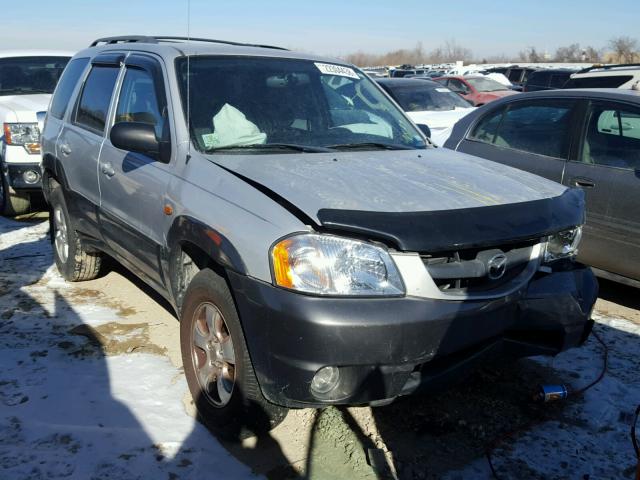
{"points": [[440, 123], [23, 108], [417, 200], [439, 119], [388, 181], [500, 93]]}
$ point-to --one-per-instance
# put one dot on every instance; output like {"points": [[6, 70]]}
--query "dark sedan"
{"points": [[588, 139]]}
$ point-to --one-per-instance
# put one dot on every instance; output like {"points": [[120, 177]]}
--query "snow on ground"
{"points": [[591, 438], [68, 410], [80, 400]]}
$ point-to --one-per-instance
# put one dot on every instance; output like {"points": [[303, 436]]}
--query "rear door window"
{"points": [[94, 102], [610, 81], [539, 79], [558, 80], [613, 136], [541, 127], [515, 75]]}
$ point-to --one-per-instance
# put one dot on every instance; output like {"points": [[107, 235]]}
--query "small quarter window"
{"points": [[96, 97], [487, 129], [138, 100]]}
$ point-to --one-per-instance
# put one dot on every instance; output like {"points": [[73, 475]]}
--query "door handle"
{"points": [[65, 149], [108, 170], [583, 182]]}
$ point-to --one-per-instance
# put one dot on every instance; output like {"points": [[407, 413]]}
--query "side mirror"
{"points": [[424, 129], [140, 138]]}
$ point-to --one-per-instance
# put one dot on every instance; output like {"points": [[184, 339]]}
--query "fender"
{"points": [[52, 168], [217, 248]]}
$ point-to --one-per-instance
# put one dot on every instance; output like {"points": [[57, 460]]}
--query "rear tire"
{"points": [[217, 365], [12, 204], [74, 262]]}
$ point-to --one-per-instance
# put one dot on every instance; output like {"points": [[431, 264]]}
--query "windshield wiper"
{"points": [[272, 146], [384, 146]]}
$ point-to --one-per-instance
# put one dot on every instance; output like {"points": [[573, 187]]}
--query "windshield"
{"points": [[419, 98], [28, 75], [298, 105], [485, 84]]}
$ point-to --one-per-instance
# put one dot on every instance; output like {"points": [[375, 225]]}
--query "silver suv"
{"points": [[316, 248]]}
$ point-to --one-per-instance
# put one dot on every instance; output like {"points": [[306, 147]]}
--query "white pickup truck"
{"points": [[27, 80]]}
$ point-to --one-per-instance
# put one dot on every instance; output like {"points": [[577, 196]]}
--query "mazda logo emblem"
{"points": [[496, 266]]}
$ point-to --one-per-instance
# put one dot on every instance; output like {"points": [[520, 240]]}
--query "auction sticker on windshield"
{"points": [[330, 69], [442, 90]]}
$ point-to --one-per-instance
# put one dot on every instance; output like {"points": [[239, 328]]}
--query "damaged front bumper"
{"points": [[388, 347]]}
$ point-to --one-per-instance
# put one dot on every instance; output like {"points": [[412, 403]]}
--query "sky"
{"points": [[330, 27]]}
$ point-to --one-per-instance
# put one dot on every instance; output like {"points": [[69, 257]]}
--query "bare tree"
{"points": [[449, 52], [569, 53], [624, 48], [530, 55], [592, 55]]}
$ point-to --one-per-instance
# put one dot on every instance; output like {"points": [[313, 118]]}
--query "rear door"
{"points": [[81, 139], [607, 167], [532, 135], [133, 185]]}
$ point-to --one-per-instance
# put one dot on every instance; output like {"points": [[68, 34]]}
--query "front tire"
{"points": [[12, 204], [74, 262], [217, 365]]}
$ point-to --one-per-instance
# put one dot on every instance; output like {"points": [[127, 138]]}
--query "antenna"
{"points": [[188, 84]]}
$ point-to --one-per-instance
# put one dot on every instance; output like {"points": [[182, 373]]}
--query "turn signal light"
{"points": [[281, 265]]}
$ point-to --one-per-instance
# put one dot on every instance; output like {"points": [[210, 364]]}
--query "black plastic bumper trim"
{"points": [[380, 344]]}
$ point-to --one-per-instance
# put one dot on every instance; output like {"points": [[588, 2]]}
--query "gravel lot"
{"points": [[91, 387]]}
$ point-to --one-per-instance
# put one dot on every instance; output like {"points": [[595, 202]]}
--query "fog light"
{"points": [[30, 176], [325, 380]]}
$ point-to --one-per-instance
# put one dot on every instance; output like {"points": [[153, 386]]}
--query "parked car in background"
{"points": [[27, 80], [547, 79], [401, 72], [316, 249], [588, 139], [516, 74], [606, 76], [428, 103], [430, 75], [477, 89]]}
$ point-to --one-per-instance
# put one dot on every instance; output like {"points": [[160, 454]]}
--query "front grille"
{"points": [[467, 271]]}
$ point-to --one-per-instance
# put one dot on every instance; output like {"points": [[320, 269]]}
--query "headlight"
{"points": [[26, 134], [330, 265], [563, 244]]}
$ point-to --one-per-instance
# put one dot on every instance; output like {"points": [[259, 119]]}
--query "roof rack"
{"points": [[164, 38], [608, 67]]}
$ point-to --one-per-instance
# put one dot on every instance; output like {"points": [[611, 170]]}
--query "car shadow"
{"points": [[69, 407]]}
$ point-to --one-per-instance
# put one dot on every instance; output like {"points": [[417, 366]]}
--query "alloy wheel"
{"points": [[61, 238], [213, 354]]}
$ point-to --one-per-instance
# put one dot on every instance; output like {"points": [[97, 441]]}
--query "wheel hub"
{"points": [[60, 234], [213, 354]]}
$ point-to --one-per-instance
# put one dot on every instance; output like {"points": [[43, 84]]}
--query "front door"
{"points": [[608, 170], [133, 185], [531, 135]]}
